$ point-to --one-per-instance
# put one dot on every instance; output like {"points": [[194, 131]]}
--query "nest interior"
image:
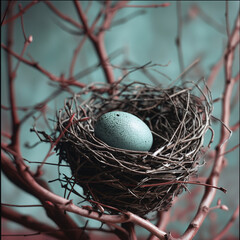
{"points": [[125, 180]]}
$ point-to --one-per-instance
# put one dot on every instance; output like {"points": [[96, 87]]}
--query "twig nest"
{"points": [[129, 180]]}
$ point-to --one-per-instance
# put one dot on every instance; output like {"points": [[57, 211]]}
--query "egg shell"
{"points": [[124, 130]]}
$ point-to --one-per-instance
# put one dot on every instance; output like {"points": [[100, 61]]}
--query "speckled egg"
{"points": [[123, 130]]}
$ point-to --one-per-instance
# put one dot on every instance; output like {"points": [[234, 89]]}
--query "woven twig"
{"points": [[125, 180]]}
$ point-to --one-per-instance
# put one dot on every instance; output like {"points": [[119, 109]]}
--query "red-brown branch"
{"points": [[17, 205], [11, 77], [98, 41], [213, 74], [63, 16], [63, 204], [213, 179], [184, 182], [79, 47], [163, 220], [56, 205], [83, 19], [74, 59], [35, 65], [54, 144], [149, 6], [235, 126], [20, 13], [30, 222], [228, 225], [179, 37], [53, 211], [230, 150]]}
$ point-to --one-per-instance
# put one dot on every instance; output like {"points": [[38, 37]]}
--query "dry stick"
{"points": [[130, 229], [147, 225], [61, 203], [60, 218], [22, 25], [17, 205], [179, 37], [220, 149], [150, 6], [235, 98], [163, 220], [6, 134], [40, 105], [53, 145], [10, 171], [20, 13], [79, 47], [40, 69], [213, 74], [62, 16], [228, 225], [210, 21], [74, 58], [30, 222], [6, 11], [47, 232], [227, 20], [56, 215], [230, 150], [12, 73], [184, 182], [15, 139], [122, 237], [185, 72], [235, 126], [98, 41]]}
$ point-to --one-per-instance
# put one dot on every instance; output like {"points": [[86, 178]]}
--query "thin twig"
{"points": [[220, 149], [227, 20], [35, 65], [228, 225], [63, 16], [20, 13], [30, 222], [149, 6], [179, 36]]}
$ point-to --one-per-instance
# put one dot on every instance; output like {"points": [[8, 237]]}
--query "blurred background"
{"points": [[144, 35]]}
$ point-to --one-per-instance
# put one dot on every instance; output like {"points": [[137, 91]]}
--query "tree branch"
{"points": [[213, 179], [60, 80], [228, 225], [30, 222], [179, 37], [11, 76], [62, 16], [20, 13]]}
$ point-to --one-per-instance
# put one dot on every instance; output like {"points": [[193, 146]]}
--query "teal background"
{"points": [[149, 37]]}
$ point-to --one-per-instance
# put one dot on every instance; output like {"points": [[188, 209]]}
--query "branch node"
{"points": [[205, 209], [70, 202], [49, 203]]}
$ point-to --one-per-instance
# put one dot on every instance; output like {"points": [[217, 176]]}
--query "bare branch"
{"points": [[62, 16], [220, 149], [20, 13], [30, 222], [228, 225], [179, 37]]}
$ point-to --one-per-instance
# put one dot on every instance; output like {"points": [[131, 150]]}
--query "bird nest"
{"points": [[124, 180]]}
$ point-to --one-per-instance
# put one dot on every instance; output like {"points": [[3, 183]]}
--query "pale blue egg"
{"points": [[124, 130]]}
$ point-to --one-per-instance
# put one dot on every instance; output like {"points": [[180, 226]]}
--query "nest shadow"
{"points": [[125, 180]]}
